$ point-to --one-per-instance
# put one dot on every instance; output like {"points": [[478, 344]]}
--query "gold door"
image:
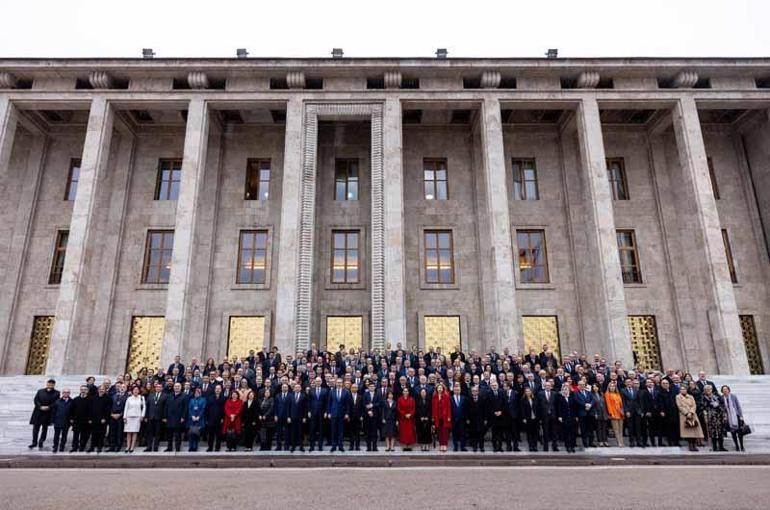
{"points": [[750, 340], [145, 343], [347, 331], [644, 341], [39, 343], [540, 330], [444, 333], [245, 334]]}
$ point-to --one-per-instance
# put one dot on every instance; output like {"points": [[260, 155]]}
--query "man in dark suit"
{"points": [[511, 414], [99, 408], [155, 417], [339, 412], [283, 403], [176, 418], [477, 420], [176, 364], [356, 417], [648, 402], [566, 418], [41, 415], [316, 410], [632, 413], [547, 411], [79, 419], [215, 413], [495, 403], [459, 409], [582, 404], [298, 415], [116, 417], [372, 403], [62, 410]]}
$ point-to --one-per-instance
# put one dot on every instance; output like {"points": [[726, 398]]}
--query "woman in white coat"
{"points": [[133, 414]]}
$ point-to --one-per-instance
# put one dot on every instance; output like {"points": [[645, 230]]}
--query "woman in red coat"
{"points": [[405, 406], [442, 416], [231, 425]]}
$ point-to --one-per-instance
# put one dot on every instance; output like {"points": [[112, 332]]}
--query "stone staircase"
{"points": [[17, 392]]}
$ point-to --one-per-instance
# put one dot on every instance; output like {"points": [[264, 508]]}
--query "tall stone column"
{"points": [[501, 316], [723, 313], [8, 122], [393, 223], [72, 302], [610, 299], [181, 278], [288, 235]]}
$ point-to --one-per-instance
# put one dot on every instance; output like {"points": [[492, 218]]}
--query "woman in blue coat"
{"points": [[197, 419]]}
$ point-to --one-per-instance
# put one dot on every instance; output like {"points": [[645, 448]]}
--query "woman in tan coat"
{"points": [[689, 426]]}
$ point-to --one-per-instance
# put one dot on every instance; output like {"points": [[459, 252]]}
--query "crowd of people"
{"points": [[415, 398]]}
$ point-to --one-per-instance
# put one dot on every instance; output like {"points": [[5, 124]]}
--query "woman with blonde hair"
{"points": [[614, 404]]}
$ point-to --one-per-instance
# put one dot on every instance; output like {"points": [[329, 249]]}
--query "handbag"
{"points": [[690, 423], [195, 430], [744, 429]]}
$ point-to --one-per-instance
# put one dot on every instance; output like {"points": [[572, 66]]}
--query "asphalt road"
{"points": [[602, 487]]}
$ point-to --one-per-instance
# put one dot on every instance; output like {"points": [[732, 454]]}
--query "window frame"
{"points": [[634, 249], [530, 249], [160, 181], [713, 178], [74, 163], [520, 180], [623, 179], [148, 253], [59, 257], [346, 250], [256, 164], [437, 232], [348, 179], [435, 162], [254, 252], [729, 256]]}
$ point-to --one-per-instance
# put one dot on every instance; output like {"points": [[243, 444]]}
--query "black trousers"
{"points": [[354, 433], [586, 431], [98, 431], [372, 431], [60, 438], [458, 436], [214, 437], [153, 432], [296, 433], [282, 430], [39, 433], [550, 425], [249, 433], [116, 433], [634, 428], [568, 434], [497, 433], [174, 437], [316, 431], [648, 430], [533, 432], [80, 435]]}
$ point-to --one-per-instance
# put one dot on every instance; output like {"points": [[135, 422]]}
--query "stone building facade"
{"points": [[205, 207]]}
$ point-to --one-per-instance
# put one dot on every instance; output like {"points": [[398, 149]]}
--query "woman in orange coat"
{"points": [[442, 416], [614, 404], [406, 431], [231, 425]]}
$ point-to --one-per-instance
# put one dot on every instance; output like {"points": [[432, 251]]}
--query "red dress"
{"points": [[442, 418], [232, 407], [406, 432]]}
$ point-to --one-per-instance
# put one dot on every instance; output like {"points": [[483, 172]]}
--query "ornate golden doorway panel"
{"points": [[245, 334], [644, 342], [347, 331], [443, 332], [39, 343], [540, 330], [750, 340], [145, 343]]}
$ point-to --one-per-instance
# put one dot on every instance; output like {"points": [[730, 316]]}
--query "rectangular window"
{"points": [[644, 342], [345, 256], [252, 257], [713, 177], [629, 259], [439, 257], [729, 256], [346, 180], [169, 176], [72, 180], [157, 256], [57, 264], [257, 179], [39, 343], [616, 172], [525, 180], [435, 179], [533, 259]]}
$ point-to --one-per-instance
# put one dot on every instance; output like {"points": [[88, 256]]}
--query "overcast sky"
{"points": [[476, 28]]}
